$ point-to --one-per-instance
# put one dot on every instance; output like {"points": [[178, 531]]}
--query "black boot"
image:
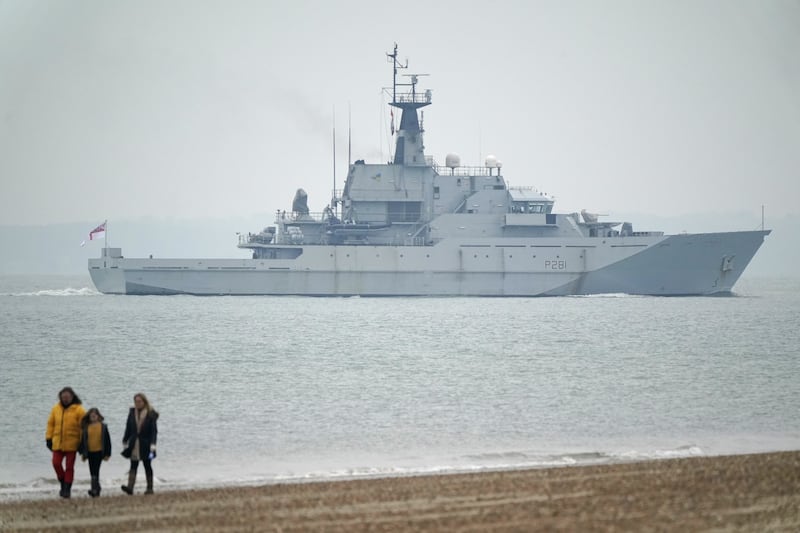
{"points": [[94, 492], [128, 489], [61, 490], [149, 476], [67, 490]]}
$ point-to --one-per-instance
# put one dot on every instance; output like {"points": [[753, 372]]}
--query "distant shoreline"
{"points": [[750, 492]]}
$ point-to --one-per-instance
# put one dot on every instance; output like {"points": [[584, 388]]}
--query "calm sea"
{"points": [[268, 389]]}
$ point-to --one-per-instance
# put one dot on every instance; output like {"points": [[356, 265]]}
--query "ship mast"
{"points": [[409, 149]]}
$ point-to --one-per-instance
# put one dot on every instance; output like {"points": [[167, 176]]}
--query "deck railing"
{"points": [[283, 217], [465, 171], [413, 98]]}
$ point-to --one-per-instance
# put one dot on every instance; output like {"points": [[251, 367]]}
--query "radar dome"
{"points": [[491, 161], [452, 161]]}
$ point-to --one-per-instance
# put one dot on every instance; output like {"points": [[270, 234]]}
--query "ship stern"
{"points": [[106, 275]]}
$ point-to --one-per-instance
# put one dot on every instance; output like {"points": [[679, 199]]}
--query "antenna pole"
{"points": [[762, 217], [349, 136], [333, 200], [395, 66], [393, 55]]}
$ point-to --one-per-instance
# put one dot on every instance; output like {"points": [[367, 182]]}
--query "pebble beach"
{"points": [[759, 492]]}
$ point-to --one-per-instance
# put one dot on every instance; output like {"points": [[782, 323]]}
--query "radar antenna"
{"points": [[414, 80]]}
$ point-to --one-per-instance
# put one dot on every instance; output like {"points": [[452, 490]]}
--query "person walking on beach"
{"points": [[95, 446], [63, 436], [139, 441]]}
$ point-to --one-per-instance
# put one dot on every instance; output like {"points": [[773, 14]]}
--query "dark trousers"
{"points": [[148, 469], [95, 459], [64, 474]]}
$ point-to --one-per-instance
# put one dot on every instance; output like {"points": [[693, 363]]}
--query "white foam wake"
{"points": [[69, 291]]}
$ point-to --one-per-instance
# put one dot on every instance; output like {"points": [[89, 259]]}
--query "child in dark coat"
{"points": [[95, 446]]}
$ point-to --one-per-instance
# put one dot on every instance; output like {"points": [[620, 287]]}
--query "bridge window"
{"points": [[404, 211]]}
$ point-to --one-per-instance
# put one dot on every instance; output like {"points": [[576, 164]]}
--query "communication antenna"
{"points": [[349, 136], [333, 200], [392, 58]]}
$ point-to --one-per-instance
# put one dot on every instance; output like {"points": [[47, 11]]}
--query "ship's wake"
{"points": [[69, 291]]}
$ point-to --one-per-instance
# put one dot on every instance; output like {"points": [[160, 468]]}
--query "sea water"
{"points": [[278, 389]]}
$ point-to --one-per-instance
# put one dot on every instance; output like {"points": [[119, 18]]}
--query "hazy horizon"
{"points": [[116, 110]]}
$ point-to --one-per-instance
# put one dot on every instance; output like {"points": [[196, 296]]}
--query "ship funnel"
{"points": [[300, 203]]}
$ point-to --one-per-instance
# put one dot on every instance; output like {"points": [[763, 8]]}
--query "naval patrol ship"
{"points": [[411, 227]]}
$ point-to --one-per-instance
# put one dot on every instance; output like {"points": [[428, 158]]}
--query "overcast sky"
{"points": [[194, 109]]}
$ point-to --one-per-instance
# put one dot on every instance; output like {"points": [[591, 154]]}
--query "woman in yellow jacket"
{"points": [[63, 436]]}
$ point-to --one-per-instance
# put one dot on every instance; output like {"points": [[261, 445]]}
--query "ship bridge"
{"points": [[529, 200]]}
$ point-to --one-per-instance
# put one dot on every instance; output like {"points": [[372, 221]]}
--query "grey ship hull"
{"points": [[686, 264]]}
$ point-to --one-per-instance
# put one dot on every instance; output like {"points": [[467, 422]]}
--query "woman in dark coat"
{"points": [[139, 441]]}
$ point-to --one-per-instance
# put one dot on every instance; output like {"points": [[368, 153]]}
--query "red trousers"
{"points": [[68, 474]]}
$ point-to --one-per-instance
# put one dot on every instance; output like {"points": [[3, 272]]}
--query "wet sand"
{"points": [[758, 492]]}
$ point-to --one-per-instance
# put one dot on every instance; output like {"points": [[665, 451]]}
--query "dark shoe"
{"points": [[149, 484], [128, 489], [94, 492], [67, 490], [61, 490]]}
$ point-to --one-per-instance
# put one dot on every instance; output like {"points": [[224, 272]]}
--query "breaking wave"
{"points": [[609, 295], [44, 487]]}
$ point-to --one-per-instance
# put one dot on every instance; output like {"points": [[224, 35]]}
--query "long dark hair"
{"points": [[86, 420], [151, 412], [75, 398]]}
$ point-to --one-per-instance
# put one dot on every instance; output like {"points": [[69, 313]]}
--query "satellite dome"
{"points": [[452, 161], [491, 161]]}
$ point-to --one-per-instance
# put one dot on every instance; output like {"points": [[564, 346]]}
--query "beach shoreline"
{"points": [[739, 492]]}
